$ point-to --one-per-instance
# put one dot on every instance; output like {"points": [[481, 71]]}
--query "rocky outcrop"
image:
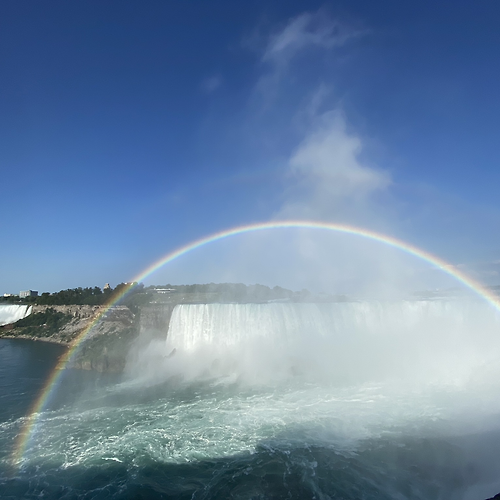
{"points": [[78, 318]]}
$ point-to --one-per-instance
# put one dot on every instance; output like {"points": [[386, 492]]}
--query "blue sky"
{"points": [[130, 128]]}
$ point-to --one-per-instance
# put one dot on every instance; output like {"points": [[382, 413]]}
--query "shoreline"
{"points": [[36, 339]]}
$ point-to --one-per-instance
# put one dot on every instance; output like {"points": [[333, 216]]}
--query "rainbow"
{"points": [[53, 380]]}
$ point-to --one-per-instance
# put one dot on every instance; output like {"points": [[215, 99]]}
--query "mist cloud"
{"points": [[303, 31], [310, 31], [327, 176], [328, 173]]}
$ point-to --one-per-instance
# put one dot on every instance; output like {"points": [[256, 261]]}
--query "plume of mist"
{"points": [[442, 342], [327, 179]]}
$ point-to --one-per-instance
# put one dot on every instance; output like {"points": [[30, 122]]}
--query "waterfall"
{"points": [[341, 341], [12, 313], [225, 325]]}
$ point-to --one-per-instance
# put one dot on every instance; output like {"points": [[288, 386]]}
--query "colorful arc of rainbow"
{"points": [[54, 378]]}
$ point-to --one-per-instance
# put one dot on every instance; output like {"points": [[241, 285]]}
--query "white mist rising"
{"points": [[351, 343]]}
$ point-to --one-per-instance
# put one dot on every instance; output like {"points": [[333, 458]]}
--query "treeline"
{"points": [[75, 296], [92, 296], [81, 296], [234, 292]]}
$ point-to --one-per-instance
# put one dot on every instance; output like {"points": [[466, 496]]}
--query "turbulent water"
{"points": [[350, 400], [12, 313]]}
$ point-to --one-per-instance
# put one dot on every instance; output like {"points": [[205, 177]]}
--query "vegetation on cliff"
{"points": [[80, 296], [75, 296], [91, 296], [42, 324]]}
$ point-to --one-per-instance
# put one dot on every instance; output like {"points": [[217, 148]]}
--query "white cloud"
{"points": [[331, 156], [306, 30], [327, 178]]}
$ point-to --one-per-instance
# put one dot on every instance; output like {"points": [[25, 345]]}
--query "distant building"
{"points": [[107, 287], [28, 293], [163, 290]]}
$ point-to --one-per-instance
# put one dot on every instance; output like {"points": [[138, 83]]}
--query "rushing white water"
{"points": [[345, 343], [12, 313]]}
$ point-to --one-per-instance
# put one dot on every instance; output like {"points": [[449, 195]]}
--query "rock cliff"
{"points": [[106, 345]]}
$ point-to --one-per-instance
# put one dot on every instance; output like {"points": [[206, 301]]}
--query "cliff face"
{"points": [[79, 319], [106, 346], [74, 319], [108, 342], [104, 349], [154, 320]]}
